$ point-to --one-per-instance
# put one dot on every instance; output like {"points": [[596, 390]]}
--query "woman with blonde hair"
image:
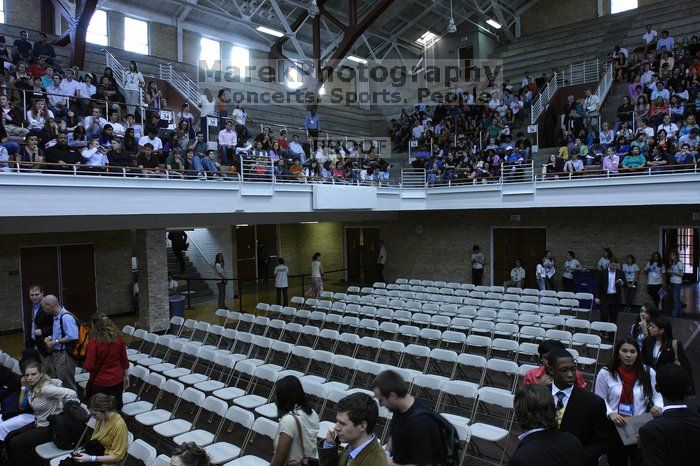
{"points": [[45, 399], [110, 439], [106, 360]]}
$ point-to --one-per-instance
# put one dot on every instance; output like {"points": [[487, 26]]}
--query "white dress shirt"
{"points": [[609, 388], [611, 282], [566, 391]]}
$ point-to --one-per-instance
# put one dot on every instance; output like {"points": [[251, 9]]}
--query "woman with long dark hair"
{"points": [[316, 277], [604, 260], [655, 277], [132, 85], [295, 441], [221, 285], [571, 265], [659, 348], [640, 329], [628, 388], [549, 270], [106, 360]]}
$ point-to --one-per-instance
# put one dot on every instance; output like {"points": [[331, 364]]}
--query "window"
{"points": [[427, 39], [240, 60], [618, 6], [210, 52], [685, 248], [97, 29], [293, 77], [135, 36], [2, 11]]}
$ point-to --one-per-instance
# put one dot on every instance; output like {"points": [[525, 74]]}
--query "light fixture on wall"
{"points": [[270, 31], [313, 9], [493, 23], [451, 27]]}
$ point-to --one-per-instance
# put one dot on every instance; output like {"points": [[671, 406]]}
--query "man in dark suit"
{"points": [[355, 420], [579, 412], [42, 327], [610, 284], [178, 242], [672, 438], [542, 444]]}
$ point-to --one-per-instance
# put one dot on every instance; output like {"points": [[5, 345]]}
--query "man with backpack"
{"points": [[62, 340], [418, 435]]}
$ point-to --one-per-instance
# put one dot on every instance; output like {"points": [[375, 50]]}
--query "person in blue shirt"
{"points": [[65, 332], [193, 163], [209, 162], [684, 156], [312, 126]]}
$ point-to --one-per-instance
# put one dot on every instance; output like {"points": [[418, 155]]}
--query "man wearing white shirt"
{"points": [[153, 139], [649, 38], [281, 274], [610, 282], [70, 85], [94, 123], [670, 128], [228, 139], [58, 103], [665, 41], [417, 131], [356, 417], [517, 276], [116, 126], [381, 261], [297, 150], [592, 107]]}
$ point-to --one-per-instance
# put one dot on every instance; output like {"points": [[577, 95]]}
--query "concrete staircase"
{"points": [[202, 291], [609, 108], [558, 47]]}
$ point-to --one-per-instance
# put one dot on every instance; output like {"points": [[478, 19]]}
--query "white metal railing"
{"points": [[413, 178], [518, 173], [257, 169], [183, 84], [118, 71], [603, 88], [576, 73]]}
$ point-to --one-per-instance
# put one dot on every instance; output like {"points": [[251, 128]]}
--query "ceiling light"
{"points": [[308, 223], [241, 225], [493, 23], [313, 9], [427, 39], [451, 28], [272, 32], [357, 59]]}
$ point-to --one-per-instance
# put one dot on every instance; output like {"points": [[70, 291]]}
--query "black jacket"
{"points": [[671, 439], [585, 418], [549, 448], [178, 240], [43, 322], [666, 356], [603, 285]]}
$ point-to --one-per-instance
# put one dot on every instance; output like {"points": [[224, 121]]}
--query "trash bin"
{"points": [[177, 309]]}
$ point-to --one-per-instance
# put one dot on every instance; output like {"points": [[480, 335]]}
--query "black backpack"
{"points": [[449, 439], [68, 426]]}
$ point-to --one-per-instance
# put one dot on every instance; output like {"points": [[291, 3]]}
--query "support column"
{"points": [[153, 279]]}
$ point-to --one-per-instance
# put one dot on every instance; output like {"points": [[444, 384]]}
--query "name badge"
{"points": [[626, 409]]}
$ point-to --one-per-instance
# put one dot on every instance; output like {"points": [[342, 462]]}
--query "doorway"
{"points": [[684, 241], [66, 271], [256, 251], [466, 56], [509, 244], [361, 253]]}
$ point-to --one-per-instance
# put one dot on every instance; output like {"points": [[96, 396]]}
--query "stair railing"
{"points": [[118, 71], [181, 82]]}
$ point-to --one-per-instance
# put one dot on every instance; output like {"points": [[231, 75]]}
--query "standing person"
{"points": [[671, 438], [676, 269], [478, 261], [316, 287], [571, 264], [106, 360], [517, 276], [542, 375], [110, 439], [221, 284], [549, 270], [540, 276], [190, 454], [45, 399], [281, 282], [414, 436], [381, 261], [64, 333], [655, 277], [579, 412], [263, 259], [627, 387], [312, 126], [298, 425], [640, 329], [631, 271], [356, 416], [42, 326], [660, 349], [541, 443], [178, 242], [610, 282], [132, 85], [604, 260]]}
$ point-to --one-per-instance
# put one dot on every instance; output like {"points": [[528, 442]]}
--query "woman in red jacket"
{"points": [[106, 359]]}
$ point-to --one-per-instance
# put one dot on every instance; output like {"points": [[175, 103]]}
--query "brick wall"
{"points": [[548, 14], [163, 40], [24, 14], [206, 244], [299, 242], [112, 270]]}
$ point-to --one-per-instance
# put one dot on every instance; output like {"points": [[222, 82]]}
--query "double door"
{"points": [[509, 244], [66, 271], [361, 253], [256, 251]]}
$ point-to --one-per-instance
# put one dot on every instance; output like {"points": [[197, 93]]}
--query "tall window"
{"points": [[2, 11], [135, 35], [240, 58], [97, 29], [294, 77], [618, 6], [210, 51]]}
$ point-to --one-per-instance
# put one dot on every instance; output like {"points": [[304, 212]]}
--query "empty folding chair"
{"points": [[339, 296], [442, 362], [514, 290], [327, 339], [430, 337], [287, 312], [529, 299], [504, 330], [468, 312], [418, 288], [380, 301], [548, 294], [494, 296], [478, 344], [177, 425], [297, 301], [420, 319], [349, 324], [368, 327], [140, 405], [471, 368], [462, 293], [263, 427], [589, 345], [530, 292], [440, 322], [156, 415], [352, 310], [456, 405], [392, 290], [262, 308], [346, 343], [367, 348], [493, 417], [396, 304], [221, 373], [401, 281], [461, 324], [368, 312], [607, 331], [388, 330], [529, 333], [385, 315], [501, 374], [565, 295], [447, 291], [428, 388], [529, 319], [467, 286], [586, 301], [577, 325], [551, 322], [477, 294], [507, 317], [391, 353], [338, 307], [142, 451], [504, 348], [511, 298], [483, 327], [416, 357], [251, 400], [482, 288], [569, 306], [560, 335], [352, 299], [317, 318], [453, 340], [308, 335], [222, 452], [529, 352], [448, 310], [402, 317], [366, 290], [486, 313], [408, 333], [353, 290], [332, 322]]}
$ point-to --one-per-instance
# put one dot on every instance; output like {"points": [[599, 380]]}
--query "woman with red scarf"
{"points": [[629, 389]]}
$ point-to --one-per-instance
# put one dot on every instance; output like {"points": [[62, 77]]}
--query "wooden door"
{"points": [[353, 254], [370, 252], [245, 252], [267, 235], [78, 279], [509, 244], [39, 266]]}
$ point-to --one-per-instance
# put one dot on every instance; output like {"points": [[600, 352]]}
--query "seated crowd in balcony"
{"points": [[656, 122]]}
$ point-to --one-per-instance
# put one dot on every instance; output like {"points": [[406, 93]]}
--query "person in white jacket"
{"points": [[94, 154]]}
